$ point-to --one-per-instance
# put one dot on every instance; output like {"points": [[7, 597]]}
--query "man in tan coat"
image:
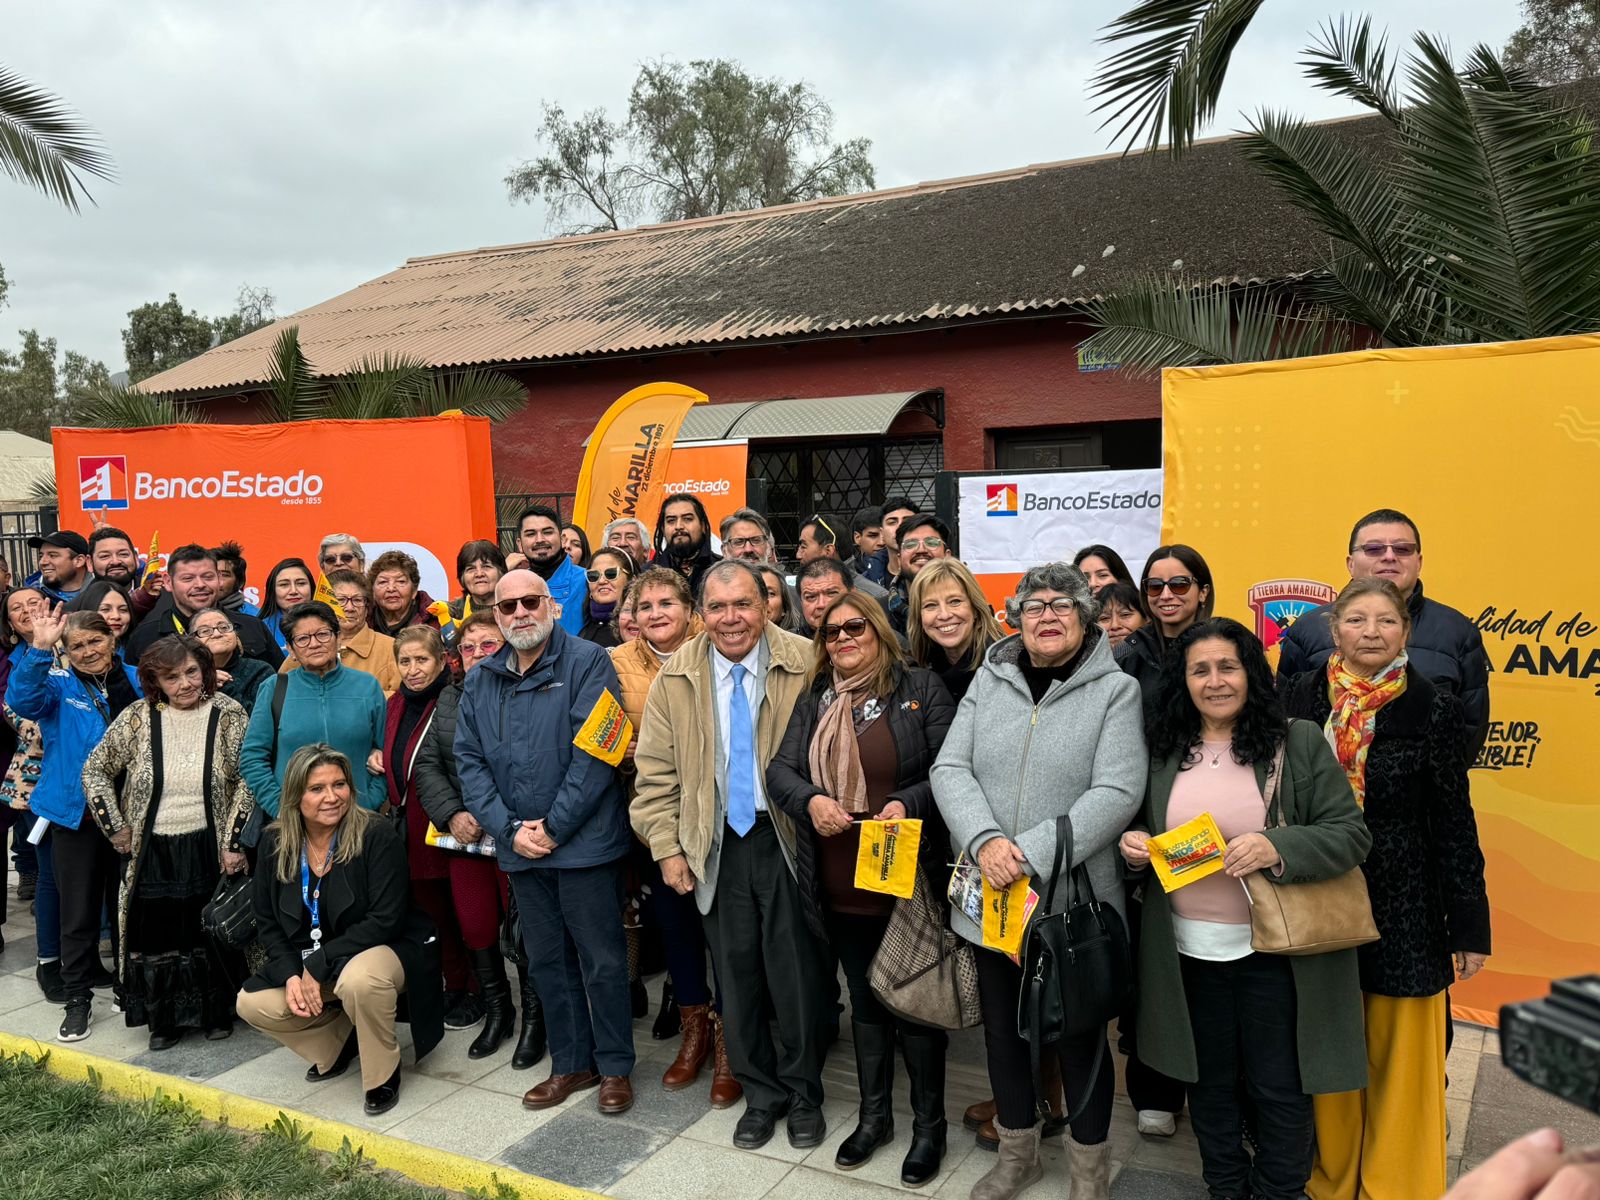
{"points": [[713, 720]]}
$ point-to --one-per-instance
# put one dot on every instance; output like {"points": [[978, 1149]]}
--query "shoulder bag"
{"points": [[1076, 970], [923, 970], [229, 916], [1306, 918]]}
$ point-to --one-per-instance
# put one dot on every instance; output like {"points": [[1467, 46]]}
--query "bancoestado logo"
{"points": [[229, 485], [1090, 502], [703, 487]]}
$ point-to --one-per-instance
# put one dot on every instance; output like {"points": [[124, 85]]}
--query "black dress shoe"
{"points": [[164, 1041], [807, 1126], [754, 1129], [383, 1097], [220, 1033], [347, 1055]]}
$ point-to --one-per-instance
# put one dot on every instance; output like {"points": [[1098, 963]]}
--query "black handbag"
{"points": [[511, 947], [1076, 971], [230, 915]]}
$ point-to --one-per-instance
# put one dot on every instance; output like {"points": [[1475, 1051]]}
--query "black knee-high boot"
{"points": [[500, 1018], [924, 1053], [531, 1041], [875, 1076]]}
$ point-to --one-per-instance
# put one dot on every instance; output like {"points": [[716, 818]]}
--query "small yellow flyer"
{"points": [[606, 731], [1191, 851], [887, 859], [1005, 915]]}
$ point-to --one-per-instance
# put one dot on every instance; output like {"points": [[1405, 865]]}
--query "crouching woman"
{"points": [[334, 916]]}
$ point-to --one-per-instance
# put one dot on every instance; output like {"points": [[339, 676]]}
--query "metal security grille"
{"points": [[15, 530], [838, 478], [509, 506]]}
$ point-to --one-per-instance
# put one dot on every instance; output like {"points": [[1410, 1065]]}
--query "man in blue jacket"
{"points": [[539, 540], [560, 824]]}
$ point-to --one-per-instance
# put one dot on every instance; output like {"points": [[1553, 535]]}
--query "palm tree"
{"points": [[44, 145], [1479, 222], [386, 387]]}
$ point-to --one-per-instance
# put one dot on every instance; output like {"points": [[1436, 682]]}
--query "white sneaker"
{"points": [[1155, 1123]]}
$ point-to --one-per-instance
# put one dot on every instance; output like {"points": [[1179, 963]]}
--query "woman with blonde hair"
{"points": [[953, 625], [334, 920]]}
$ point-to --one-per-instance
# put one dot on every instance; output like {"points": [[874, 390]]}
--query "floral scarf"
{"points": [[1356, 701], [835, 748]]}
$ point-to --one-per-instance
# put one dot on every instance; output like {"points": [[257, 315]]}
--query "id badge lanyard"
{"points": [[312, 897]]}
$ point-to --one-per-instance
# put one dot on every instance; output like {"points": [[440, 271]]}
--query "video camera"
{"points": [[1554, 1043]]}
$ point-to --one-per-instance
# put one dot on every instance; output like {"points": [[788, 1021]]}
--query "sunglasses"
{"points": [[1378, 549], [1178, 585], [852, 629], [339, 558], [596, 574], [817, 520], [508, 608]]}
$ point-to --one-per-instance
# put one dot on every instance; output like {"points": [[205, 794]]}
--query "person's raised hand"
{"points": [[1000, 859], [48, 627]]}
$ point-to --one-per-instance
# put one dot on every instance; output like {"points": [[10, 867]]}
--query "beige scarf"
{"points": [[835, 752]]}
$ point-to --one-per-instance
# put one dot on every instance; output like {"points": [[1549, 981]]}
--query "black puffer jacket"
{"points": [[1425, 869], [1444, 645], [1141, 655], [919, 714], [438, 785]]}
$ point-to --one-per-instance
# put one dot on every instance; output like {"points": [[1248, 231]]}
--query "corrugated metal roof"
{"points": [[1017, 242], [822, 416]]}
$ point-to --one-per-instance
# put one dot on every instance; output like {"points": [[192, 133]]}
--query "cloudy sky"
{"points": [[306, 147]]}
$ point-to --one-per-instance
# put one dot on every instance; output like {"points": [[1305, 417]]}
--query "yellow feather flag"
{"points": [[325, 594], [625, 466], [606, 732], [152, 563]]}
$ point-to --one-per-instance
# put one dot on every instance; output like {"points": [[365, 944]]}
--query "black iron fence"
{"points": [[15, 530]]}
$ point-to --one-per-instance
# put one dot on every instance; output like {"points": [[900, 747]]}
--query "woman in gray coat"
{"points": [[1061, 734]]}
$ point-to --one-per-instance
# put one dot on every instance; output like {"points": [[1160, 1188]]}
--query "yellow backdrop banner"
{"points": [[1494, 451], [629, 455]]}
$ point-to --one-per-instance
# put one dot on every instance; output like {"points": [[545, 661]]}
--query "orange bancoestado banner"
{"points": [[628, 457], [714, 472], [423, 485], [1493, 450]]}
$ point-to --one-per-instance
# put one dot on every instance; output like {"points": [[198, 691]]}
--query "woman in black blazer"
{"points": [[868, 760], [334, 915]]}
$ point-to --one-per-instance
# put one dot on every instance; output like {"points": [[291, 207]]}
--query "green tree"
{"points": [[1479, 222], [700, 138], [1559, 41], [162, 335], [40, 389], [44, 145]]}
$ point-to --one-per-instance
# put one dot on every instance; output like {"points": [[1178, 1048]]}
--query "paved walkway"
{"points": [[671, 1146]]}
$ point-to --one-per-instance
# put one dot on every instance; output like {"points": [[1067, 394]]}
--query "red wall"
{"points": [[1011, 375]]}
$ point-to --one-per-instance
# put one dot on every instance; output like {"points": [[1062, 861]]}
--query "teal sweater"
{"points": [[343, 708]]}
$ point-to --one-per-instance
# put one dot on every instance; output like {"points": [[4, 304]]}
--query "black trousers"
{"points": [[1011, 1070], [1243, 1016], [88, 872], [764, 952]]}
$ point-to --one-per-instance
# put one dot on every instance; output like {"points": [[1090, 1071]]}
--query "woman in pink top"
{"points": [[1211, 1009]]}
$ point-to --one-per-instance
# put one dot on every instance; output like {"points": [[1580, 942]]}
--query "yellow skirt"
{"points": [[1387, 1141]]}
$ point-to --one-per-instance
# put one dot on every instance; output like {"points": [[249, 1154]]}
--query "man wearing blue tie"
{"points": [[713, 720]]}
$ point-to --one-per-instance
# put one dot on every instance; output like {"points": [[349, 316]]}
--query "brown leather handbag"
{"points": [[1306, 918]]}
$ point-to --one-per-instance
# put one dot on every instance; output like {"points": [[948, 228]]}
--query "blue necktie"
{"points": [[741, 758]]}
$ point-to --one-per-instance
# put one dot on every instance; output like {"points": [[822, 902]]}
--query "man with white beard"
{"points": [[560, 824]]}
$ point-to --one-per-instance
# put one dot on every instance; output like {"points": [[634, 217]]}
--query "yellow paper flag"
{"points": [[1189, 852], [152, 563], [887, 858], [1005, 915], [606, 732], [325, 594]]}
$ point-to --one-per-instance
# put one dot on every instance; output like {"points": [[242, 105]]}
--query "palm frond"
{"points": [[42, 491], [1345, 59], [1166, 79], [379, 387], [294, 392], [1506, 189], [478, 393], [112, 406], [1485, 70], [1166, 323], [1402, 309], [45, 145]]}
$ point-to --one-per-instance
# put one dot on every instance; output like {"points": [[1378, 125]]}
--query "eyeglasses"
{"points": [[1061, 606], [474, 649], [746, 543], [596, 574], [927, 543], [852, 629], [351, 601], [346, 557], [212, 632], [508, 608], [320, 638], [1378, 549], [1178, 585]]}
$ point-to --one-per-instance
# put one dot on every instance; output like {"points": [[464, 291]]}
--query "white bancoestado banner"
{"points": [[1012, 521]]}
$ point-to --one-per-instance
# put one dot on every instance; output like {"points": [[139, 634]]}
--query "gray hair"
{"points": [[342, 539], [745, 514], [1055, 577], [729, 568], [644, 534]]}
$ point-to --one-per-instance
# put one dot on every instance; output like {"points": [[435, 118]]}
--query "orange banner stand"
{"points": [[423, 485], [714, 472]]}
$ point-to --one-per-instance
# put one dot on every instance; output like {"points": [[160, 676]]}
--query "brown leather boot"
{"points": [[980, 1114], [1055, 1124], [693, 1050], [726, 1091]]}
